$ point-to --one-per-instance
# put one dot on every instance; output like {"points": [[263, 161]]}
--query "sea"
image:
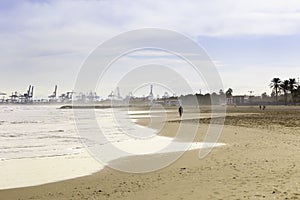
{"points": [[28, 131]]}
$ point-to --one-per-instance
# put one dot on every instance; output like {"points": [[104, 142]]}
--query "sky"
{"points": [[44, 42]]}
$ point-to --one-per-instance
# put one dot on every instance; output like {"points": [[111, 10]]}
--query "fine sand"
{"points": [[261, 160]]}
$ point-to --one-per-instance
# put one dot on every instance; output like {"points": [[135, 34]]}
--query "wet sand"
{"points": [[260, 161]]}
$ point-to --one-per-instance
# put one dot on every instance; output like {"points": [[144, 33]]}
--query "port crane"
{"points": [[52, 97]]}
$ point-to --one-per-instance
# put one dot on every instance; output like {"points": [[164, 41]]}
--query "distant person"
{"points": [[180, 111], [259, 107], [264, 107]]}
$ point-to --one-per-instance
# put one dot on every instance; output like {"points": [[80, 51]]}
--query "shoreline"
{"points": [[27, 169]]}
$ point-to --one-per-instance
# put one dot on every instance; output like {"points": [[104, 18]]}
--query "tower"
{"points": [[151, 88], [118, 93], [151, 93]]}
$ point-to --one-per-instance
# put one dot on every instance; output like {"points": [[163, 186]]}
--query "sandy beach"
{"points": [[260, 160]]}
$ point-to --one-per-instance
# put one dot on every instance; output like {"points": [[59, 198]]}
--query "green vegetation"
{"points": [[289, 89]]}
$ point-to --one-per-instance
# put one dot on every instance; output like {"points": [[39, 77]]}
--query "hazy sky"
{"points": [[44, 43]]}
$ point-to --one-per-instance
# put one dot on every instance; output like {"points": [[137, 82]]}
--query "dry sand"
{"points": [[260, 161]]}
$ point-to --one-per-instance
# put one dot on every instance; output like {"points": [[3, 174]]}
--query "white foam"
{"points": [[36, 171], [138, 112]]}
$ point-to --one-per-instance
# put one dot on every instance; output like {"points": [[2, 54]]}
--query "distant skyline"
{"points": [[45, 42]]}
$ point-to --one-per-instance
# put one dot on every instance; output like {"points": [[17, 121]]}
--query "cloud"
{"points": [[45, 42], [219, 18], [213, 17]]}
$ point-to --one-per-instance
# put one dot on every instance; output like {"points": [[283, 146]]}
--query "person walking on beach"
{"points": [[180, 111]]}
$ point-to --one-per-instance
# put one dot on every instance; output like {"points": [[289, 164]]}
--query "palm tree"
{"points": [[229, 93], [285, 88], [292, 83], [297, 92], [275, 82]]}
